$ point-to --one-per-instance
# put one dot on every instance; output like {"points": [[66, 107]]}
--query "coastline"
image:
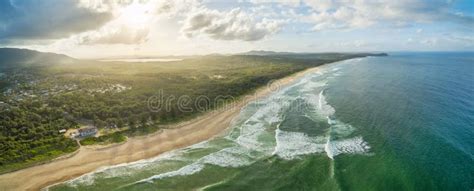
{"points": [[183, 134]]}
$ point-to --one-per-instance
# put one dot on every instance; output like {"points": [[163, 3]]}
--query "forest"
{"points": [[39, 100]]}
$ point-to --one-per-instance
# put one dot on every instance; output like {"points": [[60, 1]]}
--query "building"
{"points": [[86, 132], [3, 105]]}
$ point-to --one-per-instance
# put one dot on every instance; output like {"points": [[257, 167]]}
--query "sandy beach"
{"points": [[88, 159]]}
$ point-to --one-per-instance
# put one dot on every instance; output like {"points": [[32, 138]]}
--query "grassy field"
{"points": [[42, 99]]}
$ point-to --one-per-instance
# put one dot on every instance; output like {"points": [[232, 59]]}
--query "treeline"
{"points": [[29, 132]]}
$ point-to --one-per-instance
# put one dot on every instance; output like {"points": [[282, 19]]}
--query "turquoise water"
{"points": [[402, 122]]}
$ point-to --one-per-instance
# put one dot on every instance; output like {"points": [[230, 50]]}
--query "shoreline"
{"points": [[183, 134]]}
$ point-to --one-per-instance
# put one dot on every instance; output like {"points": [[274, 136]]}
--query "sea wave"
{"points": [[290, 145], [122, 169], [186, 170]]}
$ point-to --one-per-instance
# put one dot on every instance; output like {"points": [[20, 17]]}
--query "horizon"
{"points": [[119, 57], [160, 28]]}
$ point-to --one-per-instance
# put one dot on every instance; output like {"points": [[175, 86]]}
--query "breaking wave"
{"points": [[186, 170], [290, 145]]}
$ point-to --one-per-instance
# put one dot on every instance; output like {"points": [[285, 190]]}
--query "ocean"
{"points": [[401, 122]]}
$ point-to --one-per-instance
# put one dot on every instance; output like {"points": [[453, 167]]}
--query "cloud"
{"points": [[350, 14], [342, 18], [292, 3], [132, 20], [171, 7], [52, 19], [114, 35], [231, 25], [353, 14], [464, 40]]}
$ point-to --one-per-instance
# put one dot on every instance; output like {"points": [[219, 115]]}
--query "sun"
{"points": [[135, 15]]}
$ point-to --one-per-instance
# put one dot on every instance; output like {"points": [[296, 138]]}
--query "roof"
{"points": [[88, 129]]}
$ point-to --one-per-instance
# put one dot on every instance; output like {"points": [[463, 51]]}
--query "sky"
{"points": [[137, 28]]}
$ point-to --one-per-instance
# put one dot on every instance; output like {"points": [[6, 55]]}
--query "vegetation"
{"points": [[29, 133], [39, 100], [116, 137]]}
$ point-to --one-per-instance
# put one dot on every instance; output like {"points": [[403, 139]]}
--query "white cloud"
{"points": [[321, 5], [232, 25], [114, 35], [292, 3], [342, 18], [132, 21], [348, 14]]}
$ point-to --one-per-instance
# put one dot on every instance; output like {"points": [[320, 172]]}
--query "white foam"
{"points": [[290, 145], [200, 145], [319, 101], [355, 145], [326, 109], [228, 157], [331, 121], [86, 179], [122, 169], [340, 129], [311, 86], [259, 124], [249, 135], [328, 148], [183, 171]]}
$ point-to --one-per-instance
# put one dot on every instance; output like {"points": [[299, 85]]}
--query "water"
{"points": [[403, 122], [143, 60]]}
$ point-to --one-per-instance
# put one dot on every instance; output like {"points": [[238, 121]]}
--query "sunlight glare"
{"points": [[135, 15]]}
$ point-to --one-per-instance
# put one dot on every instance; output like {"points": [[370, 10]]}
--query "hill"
{"points": [[262, 53], [14, 58]]}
